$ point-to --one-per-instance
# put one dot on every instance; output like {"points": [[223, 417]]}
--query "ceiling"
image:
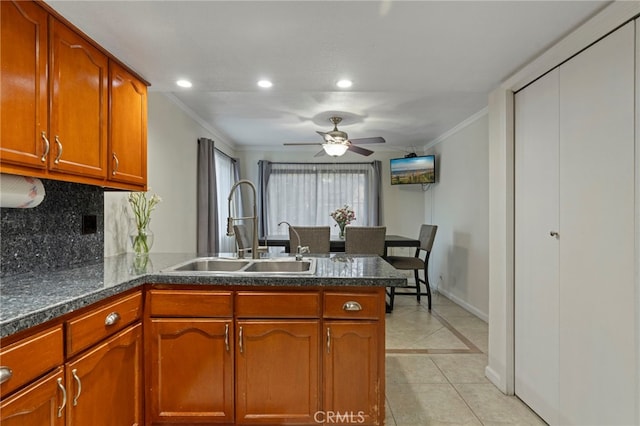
{"points": [[418, 68]]}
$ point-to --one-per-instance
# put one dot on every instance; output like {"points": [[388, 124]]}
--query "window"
{"points": [[305, 194], [226, 176]]}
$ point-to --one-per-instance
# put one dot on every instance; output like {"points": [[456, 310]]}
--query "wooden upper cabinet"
{"points": [[127, 127], [24, 122], [79, 78]]}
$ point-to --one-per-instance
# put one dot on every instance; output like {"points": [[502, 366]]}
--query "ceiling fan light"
{"points": [[335, 149]]}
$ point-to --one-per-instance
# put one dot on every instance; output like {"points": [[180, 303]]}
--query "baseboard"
{"points": [[475, 311], [495, 378]]}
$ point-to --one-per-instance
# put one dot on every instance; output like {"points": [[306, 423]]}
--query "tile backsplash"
{"points": [[49, 236]]}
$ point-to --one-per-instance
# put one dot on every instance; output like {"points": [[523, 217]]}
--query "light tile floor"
{"points": [[435, 369]]}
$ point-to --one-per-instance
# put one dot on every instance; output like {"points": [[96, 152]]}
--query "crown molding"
{"points": [[195, 117]]}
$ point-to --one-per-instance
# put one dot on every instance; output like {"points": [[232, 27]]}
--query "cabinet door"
{"points": [[104, 384], [352, 372], [127, 127], [190, 364], [39, 404], [277, 369], [79, 74], [23, 84]]}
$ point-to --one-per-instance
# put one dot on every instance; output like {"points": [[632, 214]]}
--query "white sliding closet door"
{"points": [[536, 256], [598, 367], [576, 301]]}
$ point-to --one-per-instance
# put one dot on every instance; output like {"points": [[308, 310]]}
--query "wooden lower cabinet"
{"points": [[277, 371], [104, 384], [352, 373], [265, 356], [190, 371], [39, 404]]}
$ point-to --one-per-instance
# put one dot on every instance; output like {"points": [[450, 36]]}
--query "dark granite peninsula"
{"points": [[321, 334], [30, 299]]}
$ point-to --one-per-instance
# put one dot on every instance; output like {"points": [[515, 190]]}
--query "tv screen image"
{"points": [[410, 170]]}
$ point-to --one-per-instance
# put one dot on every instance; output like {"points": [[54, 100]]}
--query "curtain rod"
{"points": [[225, 154], [313, 164]]}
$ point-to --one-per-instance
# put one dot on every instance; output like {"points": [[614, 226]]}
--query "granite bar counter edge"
{"points": [[32, 299]]}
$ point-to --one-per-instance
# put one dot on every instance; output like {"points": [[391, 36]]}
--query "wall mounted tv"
{"points": [[409, 170]]}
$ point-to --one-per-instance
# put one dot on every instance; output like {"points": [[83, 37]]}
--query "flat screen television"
{"points": [[409, 170]]}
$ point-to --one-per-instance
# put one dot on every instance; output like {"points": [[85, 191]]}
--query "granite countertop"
{"points": [[31, 299]]}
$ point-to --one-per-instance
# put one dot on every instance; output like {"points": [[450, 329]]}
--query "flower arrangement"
{"points": [[142, 237], [343, 216]]}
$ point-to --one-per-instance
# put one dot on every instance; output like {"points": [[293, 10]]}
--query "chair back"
{"points": [[317, 238], [427, 236], [365, 239]]}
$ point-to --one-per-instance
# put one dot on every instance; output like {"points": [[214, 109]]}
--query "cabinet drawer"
{"points": [[256, 304], [31, 357], [353, 305], [190, 304], [85, 330]]}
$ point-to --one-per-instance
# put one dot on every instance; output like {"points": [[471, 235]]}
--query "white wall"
{"points": [[501, 345], [459, 204], [172, 158]]}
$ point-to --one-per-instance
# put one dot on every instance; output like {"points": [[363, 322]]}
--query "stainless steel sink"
{"points": [[229, 266], [280, 267], [212, 265]]}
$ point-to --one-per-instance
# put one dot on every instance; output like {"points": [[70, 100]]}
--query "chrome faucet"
{"points": [[300, 250], [230, 219]]}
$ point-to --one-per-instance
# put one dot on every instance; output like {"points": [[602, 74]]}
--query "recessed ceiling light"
{"points": [[184, 83], [265, 84], [344, 84]]}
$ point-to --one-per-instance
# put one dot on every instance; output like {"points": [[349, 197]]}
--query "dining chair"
{"points": [[365, 240], [416, 264], [317, 238], [244, 239]]}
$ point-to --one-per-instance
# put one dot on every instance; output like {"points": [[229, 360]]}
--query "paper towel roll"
{"points": [[20, 192]]}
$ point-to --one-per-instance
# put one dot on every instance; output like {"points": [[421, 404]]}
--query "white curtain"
{"points": [[305, 194], [226, 176]]}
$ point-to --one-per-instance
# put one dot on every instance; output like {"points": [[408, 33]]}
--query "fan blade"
{"points": [[359, 150], [361, 141], [320, 154], [302, 143]]}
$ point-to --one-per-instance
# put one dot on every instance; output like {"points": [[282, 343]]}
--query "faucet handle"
{"points": [[303, 249]]}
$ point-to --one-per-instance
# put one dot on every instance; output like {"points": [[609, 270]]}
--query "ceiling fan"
{"points": [[337, 142]]}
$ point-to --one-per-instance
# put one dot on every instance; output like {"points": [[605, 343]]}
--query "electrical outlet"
{"points": [[89, 224]]}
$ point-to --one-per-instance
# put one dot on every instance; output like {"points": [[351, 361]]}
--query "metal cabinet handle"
{"points": [[64, 397], [554, 234], [59, 144], [74, 373], [226, 336], [352, 306], [46, 147], [5, 374], [112, 318], [240, 340], [117, 164], [328, 339]]}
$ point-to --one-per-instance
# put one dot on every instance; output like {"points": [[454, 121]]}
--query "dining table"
{"points": [[337, 243]]}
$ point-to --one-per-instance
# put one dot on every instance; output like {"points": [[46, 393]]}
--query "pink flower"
{"points": [[344, 215]]}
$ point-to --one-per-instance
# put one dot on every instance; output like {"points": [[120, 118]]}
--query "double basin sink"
{"points": [[233, 266]]}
